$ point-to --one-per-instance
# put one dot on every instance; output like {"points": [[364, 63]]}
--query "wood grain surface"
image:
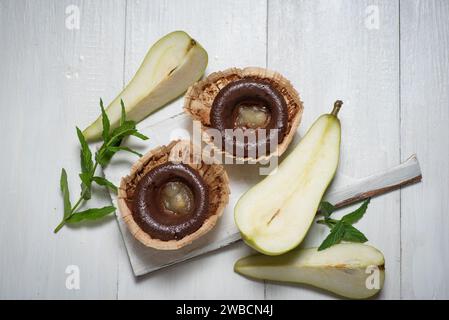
{"points": [[387, 60]]}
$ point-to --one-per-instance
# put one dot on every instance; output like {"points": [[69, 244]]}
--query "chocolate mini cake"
{"points": [[167, 204], [252, 101]]}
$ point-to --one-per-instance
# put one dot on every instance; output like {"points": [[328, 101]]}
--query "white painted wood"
{"points": [[50, 81], [328, 52], [424, 129], [234, 33], [407, 173]]}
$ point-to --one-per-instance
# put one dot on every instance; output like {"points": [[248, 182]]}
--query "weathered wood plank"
{"points": [[52, 77], [347, 50], [425, 130]]}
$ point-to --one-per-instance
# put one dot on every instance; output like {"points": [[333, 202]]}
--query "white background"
{"points": [[393, 77]]}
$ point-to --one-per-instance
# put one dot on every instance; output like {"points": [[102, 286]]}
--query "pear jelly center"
{"points": [[177, 198], [251, 115]]}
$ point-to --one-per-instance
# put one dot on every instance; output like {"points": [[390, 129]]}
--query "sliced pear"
{"points": [[171, 65], [275, 215], [350, 270]]}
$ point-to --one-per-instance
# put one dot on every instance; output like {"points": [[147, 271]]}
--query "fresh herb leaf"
{"points": [[86, 165], [126, 129], [105, 121], [91, 214], [356, 215], [86, 155], [123, 114], [353, 235], [342, 230], [86, 191], [86, 185], [108, 150], [110, 146], [104, 182], [326, 209], [139, 135], [328, 222], [104, 155], [334, 237], [116, 149], [65, 193], [85, 178]]}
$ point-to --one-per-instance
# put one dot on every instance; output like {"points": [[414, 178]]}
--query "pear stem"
{"points": [[337, 107]]}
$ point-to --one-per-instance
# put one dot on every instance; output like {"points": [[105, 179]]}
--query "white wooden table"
{"points": [[388, 60]]}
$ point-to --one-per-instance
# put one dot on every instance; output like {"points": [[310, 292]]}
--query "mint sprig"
{"points": [[111, 145], [342, 230]]}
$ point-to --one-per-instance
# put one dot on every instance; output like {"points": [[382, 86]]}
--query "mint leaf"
{"points": [[123, 114], [103, 156], [108, 150], [326, 209], [139, 135], [328, 222], [116, 149], [356, 215], [86, 165], [65, 193], [86, 154], [342, 229], [85, 178], [353, 235], [111, 145], [105, 121], [105, 183], [91, 214], [334, 237], [127, 129]]}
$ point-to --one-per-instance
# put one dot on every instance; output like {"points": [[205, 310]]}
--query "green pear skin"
{"points": [[172, 64], [351, 270], [274, 216]]}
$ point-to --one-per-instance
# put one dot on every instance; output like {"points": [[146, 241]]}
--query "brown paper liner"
{"points": [[214, 176], [199, 98]]}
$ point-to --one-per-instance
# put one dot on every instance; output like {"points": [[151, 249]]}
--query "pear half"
{"points": [[275, 215], [172, 64], [351, 270]]}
